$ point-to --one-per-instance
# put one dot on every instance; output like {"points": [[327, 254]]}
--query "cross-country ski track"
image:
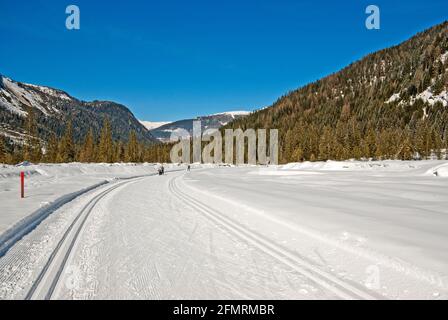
{"points": [[163, 237]]}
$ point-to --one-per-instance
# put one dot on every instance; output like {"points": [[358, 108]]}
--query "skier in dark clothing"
{"points": [[188, 168]]}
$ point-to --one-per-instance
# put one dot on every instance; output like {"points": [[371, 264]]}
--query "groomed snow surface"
{"points": [[322, 230]]}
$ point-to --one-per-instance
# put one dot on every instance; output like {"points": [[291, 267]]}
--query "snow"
{"points": [[50, 91], [444, 57], [24, 96], [14, 136], [48, 182], [442, 172], [233, 113], [439, 171], [386, 165], [12, 104], [27, 224], [313, 230], [429, 97], [153, 125], [13, 97], [393, 98], [181, 132]]}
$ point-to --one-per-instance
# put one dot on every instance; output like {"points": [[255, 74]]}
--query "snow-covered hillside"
{"points": [[53, 108], [17, 97], [233, 113], [429, 95], [153, 125]]}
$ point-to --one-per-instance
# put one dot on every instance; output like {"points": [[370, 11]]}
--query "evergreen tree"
{"points": [[326, 145], [17, 155], [32, 150], [66, 151], [406, 152], [2, 150], [437, 142], [371, 143], [51, 154], [289, 146], [118, 152], [105, 148], [37, 153], [132, 148], [445, 145]]}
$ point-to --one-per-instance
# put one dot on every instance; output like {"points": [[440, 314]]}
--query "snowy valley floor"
{"points": [[334, 230]]}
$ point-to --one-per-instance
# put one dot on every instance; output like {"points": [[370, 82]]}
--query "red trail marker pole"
{"points": [[22, 184]]}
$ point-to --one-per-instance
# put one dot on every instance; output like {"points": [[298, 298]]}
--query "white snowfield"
{"points": [[324, 230], [46, 183]]}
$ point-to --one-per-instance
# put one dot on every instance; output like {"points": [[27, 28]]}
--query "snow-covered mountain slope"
{"points": [[17, 97], [53, 108], [153, 125], [214, 121], [233, 113]]}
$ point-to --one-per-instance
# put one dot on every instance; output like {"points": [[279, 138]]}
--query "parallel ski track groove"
{"points": [[341, 288], [90, 206]]}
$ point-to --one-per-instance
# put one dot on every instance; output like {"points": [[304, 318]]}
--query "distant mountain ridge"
{"points": [[150, 125], [53, 109], [213, 121]]}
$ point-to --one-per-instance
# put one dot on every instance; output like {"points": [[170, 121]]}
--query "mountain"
{"points": [[391, 104], [214, 121], [53, 109]]}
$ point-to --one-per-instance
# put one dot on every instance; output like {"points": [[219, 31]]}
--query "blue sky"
{"points": [[169, 60]]}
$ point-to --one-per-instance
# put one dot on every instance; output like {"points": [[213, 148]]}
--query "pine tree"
{"points": [[428, 143], [87, 153], [406, 152], [445, 144], [289, 146], [326, 144], [342, 149], [132, 148], [371, 143], [2, 150], [37, 153], [118, 152], [437, 140], [17, 155], [32, 150], [297, 155]]}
